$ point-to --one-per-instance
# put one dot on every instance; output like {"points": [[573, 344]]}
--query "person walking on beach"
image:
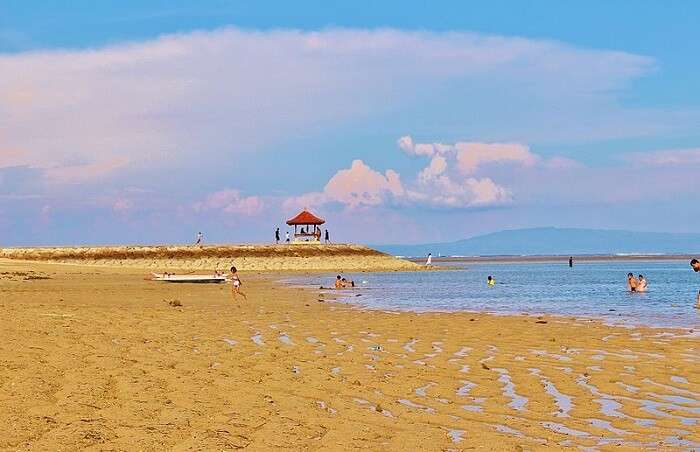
{"points": [[200, 238], [277, 236], [429, 262], [571, 261], [695, 264], [632, 282], [327, 237], [236, 285]]}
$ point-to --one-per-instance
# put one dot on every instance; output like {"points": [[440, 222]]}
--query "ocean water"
{"points": [[588, 290]]}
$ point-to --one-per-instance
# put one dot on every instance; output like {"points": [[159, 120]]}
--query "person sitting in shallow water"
{"points": [[348, 282], [632, 282], [491, 281], [642, 284]]}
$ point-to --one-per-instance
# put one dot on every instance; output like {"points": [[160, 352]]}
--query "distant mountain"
{"points": [[556, 241]]}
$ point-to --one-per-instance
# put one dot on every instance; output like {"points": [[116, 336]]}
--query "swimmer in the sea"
{"points": [[642, 284], [632, 282], [695, 264]]}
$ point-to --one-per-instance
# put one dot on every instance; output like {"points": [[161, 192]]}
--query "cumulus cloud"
{"points": [[230, 202], [357, 186], [362, 186], [470, 155], [453, 177]]}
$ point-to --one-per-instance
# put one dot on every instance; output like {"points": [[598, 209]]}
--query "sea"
{"points": [[590, 290]]}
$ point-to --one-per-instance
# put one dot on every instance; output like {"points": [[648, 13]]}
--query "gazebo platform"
{"points": [[306, 228]]}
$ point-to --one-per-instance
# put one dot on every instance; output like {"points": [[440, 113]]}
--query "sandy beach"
{"points": [[295, 257], [99, 358]]}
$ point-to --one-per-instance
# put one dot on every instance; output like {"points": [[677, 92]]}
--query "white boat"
{"points": [[169, 277]]}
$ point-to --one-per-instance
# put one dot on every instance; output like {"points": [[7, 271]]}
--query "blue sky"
{"points": [[139, 121]]}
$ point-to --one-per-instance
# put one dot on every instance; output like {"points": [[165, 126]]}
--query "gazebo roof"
{"points": [[305, 217]]}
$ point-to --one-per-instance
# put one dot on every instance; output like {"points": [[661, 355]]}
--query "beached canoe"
{"points": [[189, 278]]}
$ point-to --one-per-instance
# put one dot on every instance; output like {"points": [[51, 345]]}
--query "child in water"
{"points": [[491, 281], [642, 284]]}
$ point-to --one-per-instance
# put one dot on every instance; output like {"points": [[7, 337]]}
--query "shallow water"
{"points": [[588, 290]]}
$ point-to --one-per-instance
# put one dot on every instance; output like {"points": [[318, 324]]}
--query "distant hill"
{"points": [[556, 241]]}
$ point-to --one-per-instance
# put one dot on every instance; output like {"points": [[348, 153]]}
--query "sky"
{"points": [[397, 122]]}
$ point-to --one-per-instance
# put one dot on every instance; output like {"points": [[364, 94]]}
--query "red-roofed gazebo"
{"points": [[309, 224]]}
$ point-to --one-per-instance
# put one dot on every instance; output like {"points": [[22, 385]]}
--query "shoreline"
{"points": [[552, 315], [97, 357], [348, 296]]}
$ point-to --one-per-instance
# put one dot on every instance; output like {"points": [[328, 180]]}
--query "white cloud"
{"points": [[230, 202], [437, 166], [361, 186], [470, 156], [164, 103], [357, 186]]}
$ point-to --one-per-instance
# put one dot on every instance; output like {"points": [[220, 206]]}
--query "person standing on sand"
{"points": [[429, 262], [236, 285], [695, 264], [200, 238], [328, 237], [277, 236], [632, 282]]}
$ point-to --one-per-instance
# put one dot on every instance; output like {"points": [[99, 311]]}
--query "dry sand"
{"points": [[317, 257], [97, 358]]}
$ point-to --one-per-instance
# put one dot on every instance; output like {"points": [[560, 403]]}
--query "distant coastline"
{"points": [[555, 258], [558, 242]]}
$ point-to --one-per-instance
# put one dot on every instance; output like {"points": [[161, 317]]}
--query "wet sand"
{"points": [[98, 358]]}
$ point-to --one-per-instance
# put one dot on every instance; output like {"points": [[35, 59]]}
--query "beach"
{"points": [[98, 357], [283, 257]]}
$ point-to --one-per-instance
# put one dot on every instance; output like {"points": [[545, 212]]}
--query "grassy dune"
{"points": [[247, 257]]}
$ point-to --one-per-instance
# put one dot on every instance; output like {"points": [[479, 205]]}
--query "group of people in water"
{"points": [[343, 283], [635, 284]]}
